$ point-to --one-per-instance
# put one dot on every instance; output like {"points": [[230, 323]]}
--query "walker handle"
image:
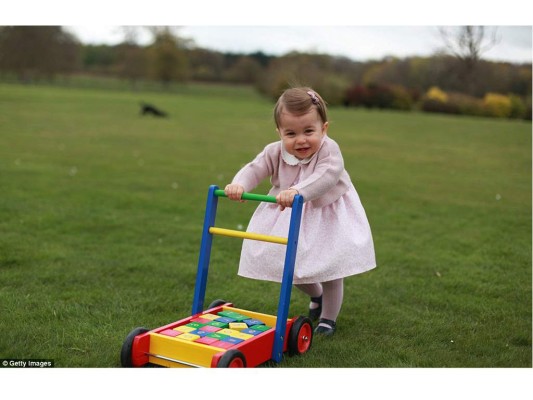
{"points": [[249, 196]]}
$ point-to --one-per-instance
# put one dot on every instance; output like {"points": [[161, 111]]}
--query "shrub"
{"points": [[434, 93], [528, 109], [497, 105], [332, 88], [402, 98], [518, 107], [466, 105], [379, 96]]}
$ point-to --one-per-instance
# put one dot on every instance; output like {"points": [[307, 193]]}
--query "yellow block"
{"points": [[238, 326], [188, 336], [229, 332], [210, 316], [242, 336], [184, 329]]}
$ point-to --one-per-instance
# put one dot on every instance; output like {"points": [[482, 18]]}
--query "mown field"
{"points": [[101, 213]]}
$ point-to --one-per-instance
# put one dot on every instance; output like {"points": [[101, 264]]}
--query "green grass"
{"points": [[101, 213]]}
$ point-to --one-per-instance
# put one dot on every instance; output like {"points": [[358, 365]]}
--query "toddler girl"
{"points": [[335, 238]]}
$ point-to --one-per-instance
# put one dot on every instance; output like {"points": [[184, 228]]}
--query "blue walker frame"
{"points": [[288, 270]]}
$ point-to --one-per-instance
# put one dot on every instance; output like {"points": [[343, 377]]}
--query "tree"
{"points": [[468, 43], [169, 61], [34, 52]]}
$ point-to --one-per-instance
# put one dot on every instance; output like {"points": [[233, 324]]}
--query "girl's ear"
{"points": [[325, 128]]}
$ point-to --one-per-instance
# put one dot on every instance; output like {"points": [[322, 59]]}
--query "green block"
{"points": [[218, 324], [239, 317], [227, 314], [261, 328], [217, 336], [195, 325], [233, 315]]}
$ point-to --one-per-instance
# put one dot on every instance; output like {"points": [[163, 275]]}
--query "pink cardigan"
{"points": [[321, 181]]}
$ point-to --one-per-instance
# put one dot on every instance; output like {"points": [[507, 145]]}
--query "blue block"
{"points": [[250, 331], [231, 339], [200, 333], [225, 320], [252, 322]]}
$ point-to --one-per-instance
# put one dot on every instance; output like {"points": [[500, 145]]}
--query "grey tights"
{"points": [[332, 294]]}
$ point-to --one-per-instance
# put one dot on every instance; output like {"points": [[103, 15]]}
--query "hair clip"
{"points": [[314, 97]]}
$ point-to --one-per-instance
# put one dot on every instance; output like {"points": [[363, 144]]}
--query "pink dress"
{"points": [[335, 237]]}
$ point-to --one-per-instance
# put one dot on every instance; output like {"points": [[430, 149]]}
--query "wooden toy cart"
{"points": [[222, 335]]}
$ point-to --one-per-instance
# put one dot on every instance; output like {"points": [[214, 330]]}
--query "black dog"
{"points": [[152, 110]]}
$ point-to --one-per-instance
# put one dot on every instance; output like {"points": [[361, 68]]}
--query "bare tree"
{"points": [[468, 43]]}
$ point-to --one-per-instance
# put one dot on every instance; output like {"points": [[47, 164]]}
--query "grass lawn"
{"points": [[101, 213]]}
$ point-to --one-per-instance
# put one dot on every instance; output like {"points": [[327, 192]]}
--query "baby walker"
{"points": [[222, 335]]}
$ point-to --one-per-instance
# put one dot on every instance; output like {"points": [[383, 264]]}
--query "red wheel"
{"points": [[232, 359], [300, 336]]}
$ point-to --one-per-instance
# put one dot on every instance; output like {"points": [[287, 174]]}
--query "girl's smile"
{"points": [[302, 134]]}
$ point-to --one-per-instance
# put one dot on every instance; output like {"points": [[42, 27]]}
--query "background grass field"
{"points": [[101, 213]]}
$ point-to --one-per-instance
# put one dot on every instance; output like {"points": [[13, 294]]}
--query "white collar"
{"points": [[293, 160]]}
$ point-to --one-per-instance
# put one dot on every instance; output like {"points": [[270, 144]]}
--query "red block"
{"points": [[222, 345], [209, 328], [206, 340], [171, 332], [201, 320]]}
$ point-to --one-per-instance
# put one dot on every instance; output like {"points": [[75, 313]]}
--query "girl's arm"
{"points": [[326, 174], [251, 175]]}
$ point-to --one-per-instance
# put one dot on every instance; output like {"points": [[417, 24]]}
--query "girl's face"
{"points": [[302, 134]]}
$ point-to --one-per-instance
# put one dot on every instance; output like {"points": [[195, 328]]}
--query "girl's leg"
{"points": [[333, 295], [313, 290]]}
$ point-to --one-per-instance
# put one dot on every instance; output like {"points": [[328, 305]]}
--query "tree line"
{"points": [[33, 53]]}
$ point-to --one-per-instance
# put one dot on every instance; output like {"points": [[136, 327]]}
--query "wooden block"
{"points": [[200, 333], [201, 320], [206, 340], [252, 322], [195, 325], [261, 328], [222, 344], [170, 332], [228, 332], [216, 335], [210, 317], [209, 328], [233, 340], [185, 329], [218, 324], [237, 326], [243, 336], [188, 337], [227, 314], [225, 320], [251, 331]]}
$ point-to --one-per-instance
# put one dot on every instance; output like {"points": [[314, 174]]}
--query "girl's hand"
{"points": [[285, 198], [234, 191]]}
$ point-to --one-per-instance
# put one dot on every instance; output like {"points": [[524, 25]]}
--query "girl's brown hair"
{"points": [[299, 101]]}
